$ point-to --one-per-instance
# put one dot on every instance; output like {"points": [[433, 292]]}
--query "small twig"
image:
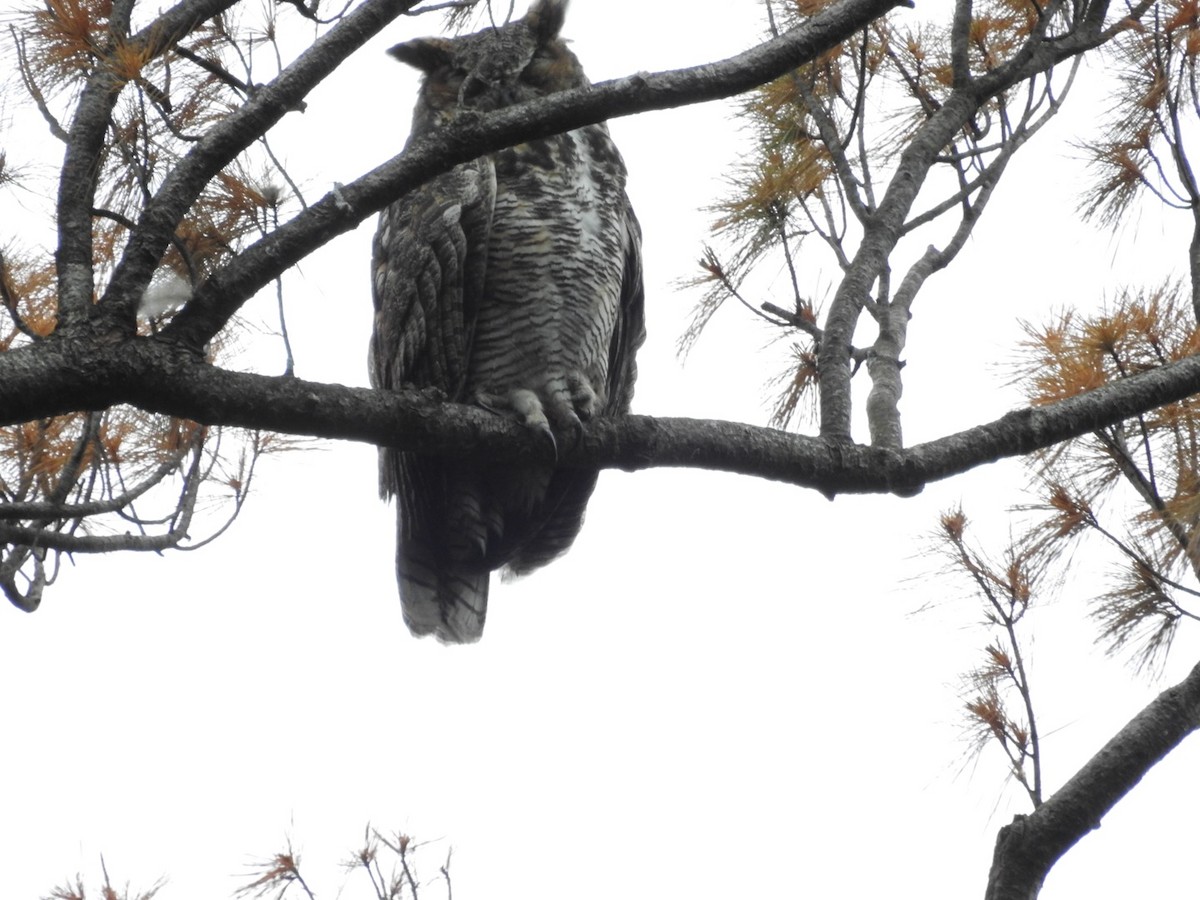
{"points": [[11, 302], [438, 7], [310, 12], [35, 92], [445, 870], [289, 368], [279, 167], [215, 69], [242, 493], [858, 355]]}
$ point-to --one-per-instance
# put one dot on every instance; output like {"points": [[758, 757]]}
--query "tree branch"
{"points": [[58, 376], [1028, 848], [15, 510], [44, 539]]}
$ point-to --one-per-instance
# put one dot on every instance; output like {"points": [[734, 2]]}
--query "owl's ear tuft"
{"points": [[426, 54], [546, 18]]}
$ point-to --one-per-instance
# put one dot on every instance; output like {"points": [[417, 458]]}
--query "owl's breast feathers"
{"points": [[556, 255]]}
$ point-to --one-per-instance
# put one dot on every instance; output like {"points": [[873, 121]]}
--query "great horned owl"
{"points": [[513, 282]]}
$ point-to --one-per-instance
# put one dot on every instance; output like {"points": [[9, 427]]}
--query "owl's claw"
{"points": [[572, 403], [528, 409], [544, 428]]}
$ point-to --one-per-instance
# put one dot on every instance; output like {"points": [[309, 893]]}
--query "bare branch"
{"points": [[44, 539], [152, 375], [33, 89]]}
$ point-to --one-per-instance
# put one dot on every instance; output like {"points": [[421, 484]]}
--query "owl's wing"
{"points": [[630, 332], [430, 258], [570, 489], [429, 267]]}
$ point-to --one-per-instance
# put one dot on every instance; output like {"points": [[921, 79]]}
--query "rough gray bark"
{"points": [[1028, 848], [66, 375]]}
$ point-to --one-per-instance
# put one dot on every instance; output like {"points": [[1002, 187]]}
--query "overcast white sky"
{"points": [[721, 691]]}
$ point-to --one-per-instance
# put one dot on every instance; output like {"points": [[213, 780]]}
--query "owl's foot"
{"points": [[562, 403], [529, 410], [525, 406], [570, 401]]}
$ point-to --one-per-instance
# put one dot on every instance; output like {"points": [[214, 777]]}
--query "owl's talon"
{"points": [[544, 428], [526, 406]]}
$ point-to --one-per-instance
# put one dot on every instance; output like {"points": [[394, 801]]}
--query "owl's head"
{"points": [[493, 68]]}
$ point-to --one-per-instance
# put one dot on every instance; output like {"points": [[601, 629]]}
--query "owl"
{"points": [[512, 282]]}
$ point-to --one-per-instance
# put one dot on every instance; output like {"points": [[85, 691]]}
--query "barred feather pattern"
{"points": [[513, 282]]}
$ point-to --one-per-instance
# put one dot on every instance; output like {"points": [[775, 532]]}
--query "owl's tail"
{"points": [[446, 601]]}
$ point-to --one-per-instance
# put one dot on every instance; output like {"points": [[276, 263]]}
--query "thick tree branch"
{"points": [[960, 35], [472, 136], [89, 543], [59, 376], [76, 193], [1028, 848]]}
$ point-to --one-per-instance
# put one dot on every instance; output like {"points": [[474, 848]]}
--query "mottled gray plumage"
{"points": [[513, 282]]}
